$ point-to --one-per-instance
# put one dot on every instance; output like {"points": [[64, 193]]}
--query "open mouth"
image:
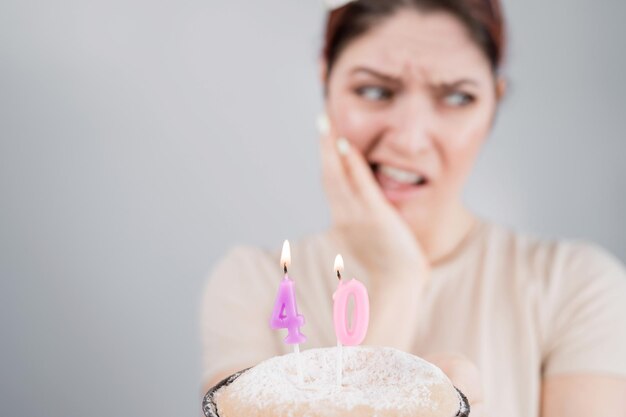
{"points": [[398, 184], [398, 177]]}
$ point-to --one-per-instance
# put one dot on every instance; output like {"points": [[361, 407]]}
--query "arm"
{"points": [[367, 227], [584, 367], [583, 396]]}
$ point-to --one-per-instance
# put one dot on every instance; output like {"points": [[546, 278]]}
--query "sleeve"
{"points": [[235, 311], [587, 304]]}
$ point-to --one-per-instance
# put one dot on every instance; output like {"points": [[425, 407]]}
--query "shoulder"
{"points": [[590, 260], [551, 260], [240, 261], [241, 256], [584, 275], [240, 269]]}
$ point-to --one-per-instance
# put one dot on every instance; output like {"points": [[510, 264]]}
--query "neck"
{"points": [[445, 232]]}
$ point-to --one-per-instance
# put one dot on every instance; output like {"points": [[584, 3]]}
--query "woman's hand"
{"points": [[465, 376], [372, 231], [362, 217]]}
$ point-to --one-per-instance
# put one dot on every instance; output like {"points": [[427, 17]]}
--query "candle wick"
{"points": [[338, 275], [285, 267]]}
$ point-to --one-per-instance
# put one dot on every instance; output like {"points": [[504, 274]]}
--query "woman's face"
{"points": [[417, 97]]}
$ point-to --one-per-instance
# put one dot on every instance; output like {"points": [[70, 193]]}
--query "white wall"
{"points": [[140, 139]]}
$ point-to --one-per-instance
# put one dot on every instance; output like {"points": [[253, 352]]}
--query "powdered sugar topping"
{"points": [[380, 378]]}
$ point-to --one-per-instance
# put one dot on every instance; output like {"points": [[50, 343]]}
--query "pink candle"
{"points": [[354, 334], [285, 314]]}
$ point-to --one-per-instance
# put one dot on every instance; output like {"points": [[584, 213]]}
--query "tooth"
{"points": [[400, 175]]}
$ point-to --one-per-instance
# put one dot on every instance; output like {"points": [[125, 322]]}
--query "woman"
{"points": [[520, 324]]}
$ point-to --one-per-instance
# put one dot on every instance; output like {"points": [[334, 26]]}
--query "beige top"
{"points": [[519, 307]]}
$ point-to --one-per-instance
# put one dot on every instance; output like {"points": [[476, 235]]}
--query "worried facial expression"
{"points": [[417, 96]]}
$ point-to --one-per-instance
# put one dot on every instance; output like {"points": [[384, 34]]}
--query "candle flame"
{"points": [[285, 257], [339, 265]]}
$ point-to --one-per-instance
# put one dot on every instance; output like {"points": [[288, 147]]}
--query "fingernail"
{"points": [[343, 146], [323, 125]]}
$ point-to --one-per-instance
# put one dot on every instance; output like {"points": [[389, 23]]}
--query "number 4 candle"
{"points": [[285, 314], [349, 335]]}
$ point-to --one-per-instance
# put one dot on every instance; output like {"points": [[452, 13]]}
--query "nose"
{"points": [[411, 121]]}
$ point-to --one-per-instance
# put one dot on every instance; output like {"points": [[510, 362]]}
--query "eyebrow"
{"points": [[376, 74], [397, 80], [458, 83]]}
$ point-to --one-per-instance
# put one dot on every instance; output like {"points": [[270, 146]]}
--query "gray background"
{"points": [[141, 139]]}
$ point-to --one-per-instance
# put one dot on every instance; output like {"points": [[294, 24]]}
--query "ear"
{"points": [[501, 87]]}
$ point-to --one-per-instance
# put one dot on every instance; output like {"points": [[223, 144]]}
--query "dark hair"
{"points": [[482, 18]]}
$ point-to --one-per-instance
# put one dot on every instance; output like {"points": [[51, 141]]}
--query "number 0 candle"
{"points": [[350, 335], [354, 333]]}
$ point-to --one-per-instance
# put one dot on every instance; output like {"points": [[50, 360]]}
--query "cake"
{"points": [[376, 382]]}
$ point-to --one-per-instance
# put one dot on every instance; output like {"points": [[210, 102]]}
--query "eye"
{"points": [[374, 93], [458, 99]]}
